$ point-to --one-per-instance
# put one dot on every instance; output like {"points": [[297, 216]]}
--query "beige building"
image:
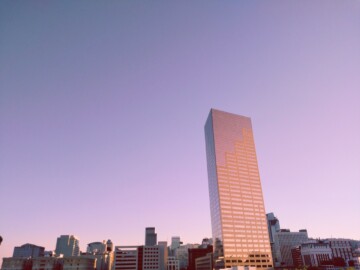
{"points": [[47, 263], [238, 219], [79, 263]]}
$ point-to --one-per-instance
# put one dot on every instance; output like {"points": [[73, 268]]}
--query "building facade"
{"points": [[195, 253], [205, 262], [284, 241], [29, 250], [238, 220], [173, 263], [125, 258], [79, 263], [150, 236], [164, 253], [314, 254], [67, 245], [341, 248], [273, 227]]}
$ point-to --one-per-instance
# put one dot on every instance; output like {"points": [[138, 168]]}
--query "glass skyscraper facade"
{"points": [[238, 219]]}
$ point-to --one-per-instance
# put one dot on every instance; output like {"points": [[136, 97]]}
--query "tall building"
{"points": [[238, 220], [175, 243], [68, 245], [29, 250], [163, 254], [150, 236]]}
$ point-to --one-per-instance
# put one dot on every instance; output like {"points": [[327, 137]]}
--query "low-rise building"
{"points": [[126, 258], [17, 263], [47, 263], [312, 254], [79, 263]]}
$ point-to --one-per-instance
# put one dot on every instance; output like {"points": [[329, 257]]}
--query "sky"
{"points": [[103, 106]]}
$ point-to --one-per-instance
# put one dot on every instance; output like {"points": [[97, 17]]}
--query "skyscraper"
{"points": [[238, 219], [68, 245], [150, 236]]}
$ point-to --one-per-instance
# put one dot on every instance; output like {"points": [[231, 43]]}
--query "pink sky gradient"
{"points": [[102, 109]]}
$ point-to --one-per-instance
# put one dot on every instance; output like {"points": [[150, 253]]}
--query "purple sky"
{"points": [[102, 108]]}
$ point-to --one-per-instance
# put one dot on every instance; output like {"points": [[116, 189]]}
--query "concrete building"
{"points": [[47, 263], [67, 245], [205, 262], [149, 257], [16, 263], [126, 258], [341, 248], [315, 253], [173, 263], [29, 250], [163, 254], [150, 236], [96, 248], [273, 227], [284, 241], [175, 243], [238, 219], [79, 263], [182, 254]]}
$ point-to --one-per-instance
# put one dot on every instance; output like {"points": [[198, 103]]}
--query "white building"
{"points": [[125, 258]]}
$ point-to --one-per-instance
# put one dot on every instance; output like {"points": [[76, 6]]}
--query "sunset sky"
{"points": [[103, 106]]}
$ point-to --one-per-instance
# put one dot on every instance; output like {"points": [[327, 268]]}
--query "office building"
{"points": [[150, 236], [16, 263], [173, 263], [163, 254], [126, 258], [195, 253], [341, 248], [67, 245], [29, 250], [205, 262], [175, 243], [273, 227], [149, 258], [314, 254], [182, 254], [238, 219], [284, 241], [79, 263], [96, 248], [47, 263]]}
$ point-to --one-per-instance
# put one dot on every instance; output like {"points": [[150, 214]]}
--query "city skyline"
{"points": [[102, 107]]}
